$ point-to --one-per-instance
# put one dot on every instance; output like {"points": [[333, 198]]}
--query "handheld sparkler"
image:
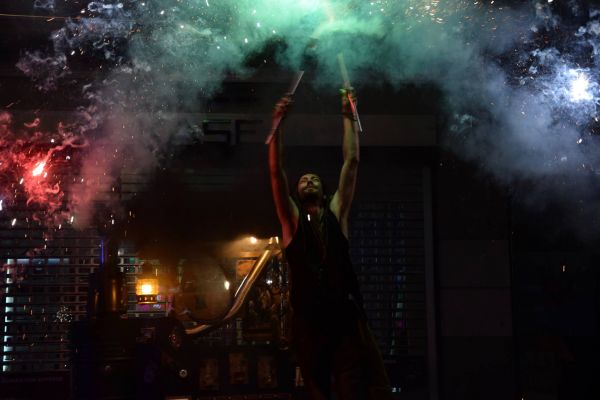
{"points": [[289, 93], [346, 79]]}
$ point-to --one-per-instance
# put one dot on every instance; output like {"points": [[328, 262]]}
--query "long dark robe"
{"points": [[329, 329]]}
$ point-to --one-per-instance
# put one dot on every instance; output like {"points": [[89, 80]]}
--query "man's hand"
{"points": [[279, 113], [281, 108], [347, 94], [343, 196]]}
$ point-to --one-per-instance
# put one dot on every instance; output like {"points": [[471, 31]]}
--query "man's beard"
{"points": [[310, 197]]}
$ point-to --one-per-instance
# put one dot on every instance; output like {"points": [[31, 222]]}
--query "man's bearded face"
{"points": [[310, 188]]}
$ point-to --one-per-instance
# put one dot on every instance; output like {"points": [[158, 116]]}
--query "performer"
{"points": [[335, 347]]}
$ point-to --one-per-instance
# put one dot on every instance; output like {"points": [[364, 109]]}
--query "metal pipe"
{"points": [[242, 292]]}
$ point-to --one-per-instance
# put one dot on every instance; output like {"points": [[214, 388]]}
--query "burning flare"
{"points": [[580, 87], [39, 168]]}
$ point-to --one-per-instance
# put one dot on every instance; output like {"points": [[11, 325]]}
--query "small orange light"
{"points": [[146, 290]]}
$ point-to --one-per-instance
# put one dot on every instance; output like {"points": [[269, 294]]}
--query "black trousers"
{"points": [[338, 354]]}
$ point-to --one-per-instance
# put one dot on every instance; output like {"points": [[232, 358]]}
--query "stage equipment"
{"points": [[146, 287], [239, 298]]}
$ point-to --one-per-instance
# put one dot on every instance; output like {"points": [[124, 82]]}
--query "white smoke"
{"points": [[519, 98]]}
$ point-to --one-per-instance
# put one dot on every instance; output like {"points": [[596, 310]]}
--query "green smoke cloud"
{"points": [[160, 56]]}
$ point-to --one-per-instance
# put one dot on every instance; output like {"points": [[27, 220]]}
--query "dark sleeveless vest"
{"points": [[322, 278]]}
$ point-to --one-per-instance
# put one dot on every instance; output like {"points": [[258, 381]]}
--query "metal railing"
{"points": [[241, 295]]}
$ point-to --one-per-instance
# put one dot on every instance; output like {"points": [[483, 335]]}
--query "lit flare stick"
{"points": [[344, 71], [346, 79], [39, 168], [289, 93]]}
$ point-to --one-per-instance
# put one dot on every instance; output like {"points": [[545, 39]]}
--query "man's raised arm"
{"points": [[342, 199], [287, 212]]}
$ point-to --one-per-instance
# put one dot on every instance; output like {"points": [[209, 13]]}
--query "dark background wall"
{"points": [[518, 291], [476, 333]]}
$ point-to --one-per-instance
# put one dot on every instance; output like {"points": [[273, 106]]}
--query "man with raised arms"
{"points": [[335, 348]]}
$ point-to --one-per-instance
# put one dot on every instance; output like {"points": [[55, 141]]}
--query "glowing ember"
{"points": [[39, 168]]}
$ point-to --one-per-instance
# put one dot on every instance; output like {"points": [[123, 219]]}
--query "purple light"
{"points": [[102, 252]]}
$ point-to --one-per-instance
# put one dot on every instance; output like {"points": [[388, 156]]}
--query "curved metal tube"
{"points": [[245, 287]]}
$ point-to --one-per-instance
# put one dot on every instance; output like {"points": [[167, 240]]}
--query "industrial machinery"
{"points": [[225, 333]]}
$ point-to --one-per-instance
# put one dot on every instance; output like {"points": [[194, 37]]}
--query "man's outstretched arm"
{"points": [[342, 199], [287, 212]]}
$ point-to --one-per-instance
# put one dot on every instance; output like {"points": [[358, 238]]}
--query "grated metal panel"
{"points": [[44, 287], [387, 245]]}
